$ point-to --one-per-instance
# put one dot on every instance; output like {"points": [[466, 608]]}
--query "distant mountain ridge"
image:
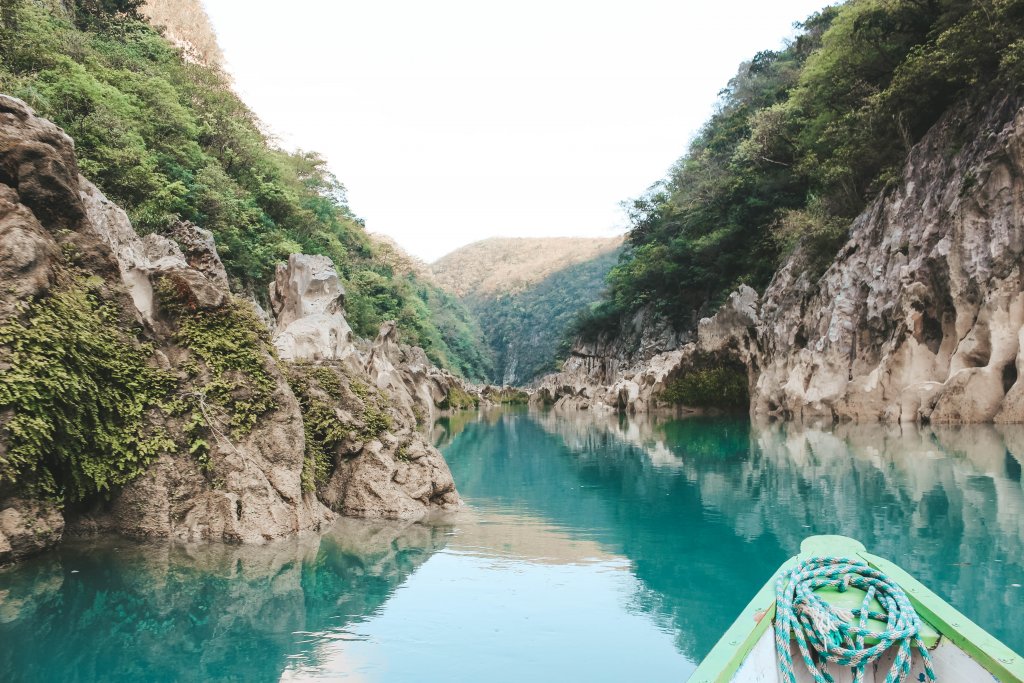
{"points": [[525, 293], [511, 264]]}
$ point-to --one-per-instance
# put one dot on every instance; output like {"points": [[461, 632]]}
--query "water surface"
{"points": [[591, 548]]}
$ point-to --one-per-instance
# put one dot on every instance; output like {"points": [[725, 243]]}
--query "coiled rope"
{"points": [[837, 635]]}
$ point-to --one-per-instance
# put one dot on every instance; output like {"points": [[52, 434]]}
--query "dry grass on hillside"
{"points": [[187, 26], [504, 264], [401, 262]]}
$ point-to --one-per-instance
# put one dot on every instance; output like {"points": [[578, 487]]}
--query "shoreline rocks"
{"points": [[228, 477]]}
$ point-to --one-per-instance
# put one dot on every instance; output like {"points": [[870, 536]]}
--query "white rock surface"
{"points": [[920, 316], [308, 303]]}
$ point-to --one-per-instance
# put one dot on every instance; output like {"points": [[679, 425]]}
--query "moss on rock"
{"points": [[74, 395], [710, 382]]}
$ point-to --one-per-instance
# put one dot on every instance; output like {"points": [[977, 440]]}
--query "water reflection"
{"points": [[116, 610], [705, 509], [593, 548]]}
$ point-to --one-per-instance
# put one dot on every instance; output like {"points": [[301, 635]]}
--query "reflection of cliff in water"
{"points": [[706, 509], [447, 427], [114, 609]]}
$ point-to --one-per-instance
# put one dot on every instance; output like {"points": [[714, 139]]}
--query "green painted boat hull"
{"points": [[940, 620]]}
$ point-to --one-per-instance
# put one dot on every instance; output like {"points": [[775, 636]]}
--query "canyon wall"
{"points": [[219, 434], [918, 319]]}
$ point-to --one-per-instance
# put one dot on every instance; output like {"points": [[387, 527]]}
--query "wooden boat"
{"points": [[960, 651]]}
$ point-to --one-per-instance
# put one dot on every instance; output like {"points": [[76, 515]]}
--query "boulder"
{"points": [[199, 250], [384, 483]]}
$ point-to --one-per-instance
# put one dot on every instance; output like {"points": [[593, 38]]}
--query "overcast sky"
{"points": [[450, 121]]}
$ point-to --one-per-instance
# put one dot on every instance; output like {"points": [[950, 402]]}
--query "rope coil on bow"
{"points": [[837, 635]]}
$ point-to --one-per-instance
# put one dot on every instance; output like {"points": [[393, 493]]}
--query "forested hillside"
{"points": [[166, 138], [802, 139], [511, 264], [529, 331], [525, 294]]}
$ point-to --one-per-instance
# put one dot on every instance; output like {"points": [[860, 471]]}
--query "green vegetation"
{"points": [[526, 330], [375, 418], [506, 396], [322, 429], [230, 387], [78, 390], [439, 321], [166, 138], [457, 399], [322, 390], [802, 139], [711, 383]]}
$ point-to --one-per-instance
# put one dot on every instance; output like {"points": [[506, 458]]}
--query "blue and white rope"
{"points": [[837, 635]]}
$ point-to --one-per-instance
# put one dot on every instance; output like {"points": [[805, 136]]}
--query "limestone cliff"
{"points": [[213, 444], [918, 319], [631, 371], [920, 316], [365, 403]]}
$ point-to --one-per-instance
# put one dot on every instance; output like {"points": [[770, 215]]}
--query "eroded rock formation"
{"points": [[308, 302], [250, 488], [380, 394], [27, 526], [230, 475], [919, 318], [633, 381]]}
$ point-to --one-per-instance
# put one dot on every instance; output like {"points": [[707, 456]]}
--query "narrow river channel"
{"points": [[591, 548]]}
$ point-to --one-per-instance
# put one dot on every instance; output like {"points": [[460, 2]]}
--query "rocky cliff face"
{"points": [[58, 225], [636, 343], [918, 319], [371, 459], [920, 316], [230, 459], [630, 372]]}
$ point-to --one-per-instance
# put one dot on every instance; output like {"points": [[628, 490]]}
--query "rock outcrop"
{"points": [[380, 394], [249, 489], [630, 379], [308, 302], [920, 318], [40, 217], [27, 527], [238, 467], [637, 341]]}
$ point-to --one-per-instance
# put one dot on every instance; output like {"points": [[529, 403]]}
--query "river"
{"points": [[590, 548]]}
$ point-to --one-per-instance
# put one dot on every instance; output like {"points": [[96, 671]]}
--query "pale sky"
{"points": [[454, 120]]}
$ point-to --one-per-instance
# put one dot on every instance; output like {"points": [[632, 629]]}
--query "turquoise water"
{"points": [[591, 548]]}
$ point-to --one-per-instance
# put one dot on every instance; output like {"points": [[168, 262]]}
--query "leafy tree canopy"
{"points": [[166, 138], [802, 139]]}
